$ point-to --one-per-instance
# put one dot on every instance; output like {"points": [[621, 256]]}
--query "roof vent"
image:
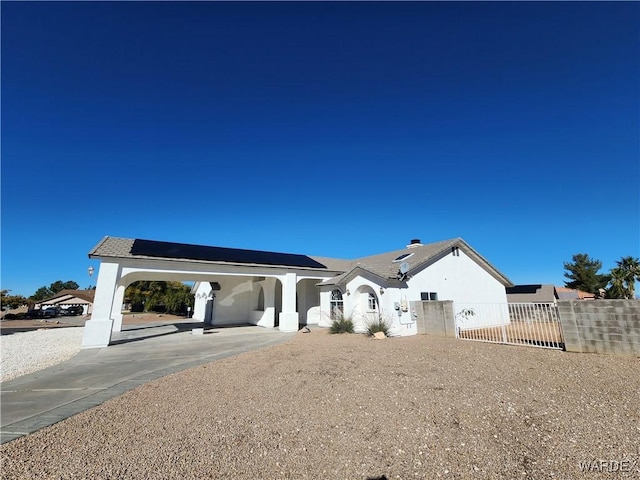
{"points": [[415, 242]]}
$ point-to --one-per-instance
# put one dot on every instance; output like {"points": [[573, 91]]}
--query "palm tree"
{"points": [[624, 277], [616, 282]]}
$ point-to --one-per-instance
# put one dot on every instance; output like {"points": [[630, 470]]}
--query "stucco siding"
{"points": [[457, 278], [233, 303]]}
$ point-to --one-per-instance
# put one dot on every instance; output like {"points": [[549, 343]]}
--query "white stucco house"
{"points": [[283, 290]]}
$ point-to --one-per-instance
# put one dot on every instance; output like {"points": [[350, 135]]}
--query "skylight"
{"points": [[402, 257]]}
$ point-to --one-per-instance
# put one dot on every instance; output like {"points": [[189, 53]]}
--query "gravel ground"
{"points": [[349, 407], [27, 352]]}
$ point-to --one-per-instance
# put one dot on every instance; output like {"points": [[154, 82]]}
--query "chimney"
{"points": [[415, 242]]}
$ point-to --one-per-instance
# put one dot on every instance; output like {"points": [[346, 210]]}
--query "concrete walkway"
{"points": [[138, 354]]}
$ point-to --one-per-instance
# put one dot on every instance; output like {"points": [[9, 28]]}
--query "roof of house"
{"points": [[86, 295], [416, 257], [385, 265], [566, 293], [535, 293], [114, 247]]}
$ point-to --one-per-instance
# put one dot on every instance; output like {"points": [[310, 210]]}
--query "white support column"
{"points": [[269, 316], [97, 331], [116, 308], [289, 317], [325, 309]]}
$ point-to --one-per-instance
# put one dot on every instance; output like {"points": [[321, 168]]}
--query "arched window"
{"points": [[336, 305], [372, 305]]}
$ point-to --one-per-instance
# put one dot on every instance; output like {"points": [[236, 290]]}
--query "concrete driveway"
{"points": [[138, 354]]}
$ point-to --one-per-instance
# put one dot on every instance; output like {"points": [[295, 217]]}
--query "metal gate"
{"points": [[528, 324]]}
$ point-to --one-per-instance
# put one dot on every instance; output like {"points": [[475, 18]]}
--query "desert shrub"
{"points": [[10, 316], [341, 325], [378, 324]]}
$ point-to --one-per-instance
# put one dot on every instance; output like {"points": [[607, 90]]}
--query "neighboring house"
{"points": [[538, 293], [565, 293], [71, 298], [235, 286]]}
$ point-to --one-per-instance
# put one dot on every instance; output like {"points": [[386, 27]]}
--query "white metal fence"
{"points": [[529, 324]]}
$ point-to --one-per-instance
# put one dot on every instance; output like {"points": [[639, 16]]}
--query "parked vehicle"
{"points": [[33, 314], [76, 310], [71, 311], [50, 312]]}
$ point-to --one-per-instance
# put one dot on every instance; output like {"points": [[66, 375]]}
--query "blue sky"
{"points": [[324, 128]]}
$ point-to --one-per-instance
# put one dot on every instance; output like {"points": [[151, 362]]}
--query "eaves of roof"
{"points": [[362, 271]]}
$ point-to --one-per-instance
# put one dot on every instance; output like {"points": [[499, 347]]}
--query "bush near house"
{"points": [[341, 325], [378, 324]]}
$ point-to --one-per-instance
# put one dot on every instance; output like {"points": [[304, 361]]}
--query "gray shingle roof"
{"points": [[381, 265]]}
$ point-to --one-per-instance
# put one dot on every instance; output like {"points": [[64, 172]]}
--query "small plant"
{"points": [[341, 325], [466, 313], [378, 324]]}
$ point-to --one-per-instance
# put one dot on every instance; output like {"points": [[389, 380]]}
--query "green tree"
{"points": [[623, 278], [11, 301], [56, 287], [583, 274], [173, 297], [41, 294], [178, 298]]}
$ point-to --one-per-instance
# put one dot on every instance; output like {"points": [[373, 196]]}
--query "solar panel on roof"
{"points": [[523, 289], [152, 248]]}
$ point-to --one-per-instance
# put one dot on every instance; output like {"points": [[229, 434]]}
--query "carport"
{"points": [[255, 287]]}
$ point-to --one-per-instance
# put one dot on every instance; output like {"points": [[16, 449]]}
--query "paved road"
{"points": [[139, 354]]}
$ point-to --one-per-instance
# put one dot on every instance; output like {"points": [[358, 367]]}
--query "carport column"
{"points": [[269, 316], [289, 316], [116, 308], [97, 331]]}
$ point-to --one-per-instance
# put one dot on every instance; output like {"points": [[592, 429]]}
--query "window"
{"points": [[372, 302], [335, 305], [429, 296]]}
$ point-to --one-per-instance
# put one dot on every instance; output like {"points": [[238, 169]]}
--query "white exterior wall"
{"points": [[237, 301], [324, 316], [232, 303], [308, 298], [402, 323], [355, 307], [202, 293], [457, 278], [461, 279]]}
